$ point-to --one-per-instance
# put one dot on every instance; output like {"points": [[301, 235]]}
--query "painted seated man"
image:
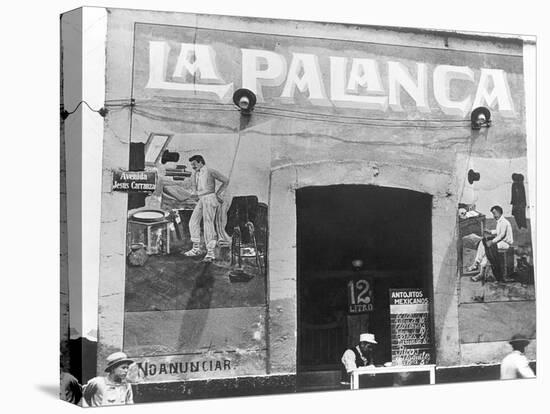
{"points": [[503, 239]]}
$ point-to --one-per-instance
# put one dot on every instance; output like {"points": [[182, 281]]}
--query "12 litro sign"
{"points": [[360, 296], [135, 181]]}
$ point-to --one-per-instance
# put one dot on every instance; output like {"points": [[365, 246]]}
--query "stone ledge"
{"points": [[219, 388], [445, 375]]}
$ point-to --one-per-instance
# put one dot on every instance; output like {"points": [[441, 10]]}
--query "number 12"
{"points": [[362, 287]]}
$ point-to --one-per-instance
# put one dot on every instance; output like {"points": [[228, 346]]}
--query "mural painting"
{"points": [[495, 254], [196, 265]]}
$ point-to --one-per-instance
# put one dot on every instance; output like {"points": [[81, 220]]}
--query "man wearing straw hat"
{"points": [[360, 356], [515, 364], [111, 389]]}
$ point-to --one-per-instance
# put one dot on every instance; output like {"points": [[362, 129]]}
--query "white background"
{"points": [[29, 232]]}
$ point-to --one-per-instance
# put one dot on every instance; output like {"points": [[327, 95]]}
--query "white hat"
{"points": [[367, 337], [116, 359]]}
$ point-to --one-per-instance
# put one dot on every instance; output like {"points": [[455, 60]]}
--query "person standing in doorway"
{"points": [[515, 364], [209, 200]]}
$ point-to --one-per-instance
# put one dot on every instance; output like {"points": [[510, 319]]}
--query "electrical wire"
{"points": [[388, 125], [285, 111], [341, 119], [357, 117], [65, 114], [422, 124]]}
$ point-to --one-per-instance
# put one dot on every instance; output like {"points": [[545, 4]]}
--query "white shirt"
{"points": [[102, 391], [515, 365], [204, 181], [503, 233], [201, 180], [348, 359]]}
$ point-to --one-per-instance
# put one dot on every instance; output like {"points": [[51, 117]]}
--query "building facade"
{"points": [[357, 174]]}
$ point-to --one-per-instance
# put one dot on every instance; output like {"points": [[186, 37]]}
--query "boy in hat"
{"points": [[515, 365], [111, 389]]}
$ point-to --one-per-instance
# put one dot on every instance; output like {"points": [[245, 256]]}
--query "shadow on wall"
{"points": [[446, 286], [83, 359]]}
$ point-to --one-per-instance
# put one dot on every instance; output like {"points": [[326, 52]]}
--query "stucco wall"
{"points": [[63, 257], [278, 155]]}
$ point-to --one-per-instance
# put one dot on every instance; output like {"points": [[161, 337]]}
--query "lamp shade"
{"points": [[473, 176], [477, 117], [244, 99], [168, 156]]}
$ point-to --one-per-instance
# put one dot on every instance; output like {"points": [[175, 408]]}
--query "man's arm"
{"points": [[129, 395], [93, 393], [194, 182], [524, 369], [194, 188], [221, 178], [504, 232], [500, 233], [348, 359], [71, 390]]}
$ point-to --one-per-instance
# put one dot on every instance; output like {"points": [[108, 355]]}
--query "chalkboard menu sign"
{"points": [[410, 327]]}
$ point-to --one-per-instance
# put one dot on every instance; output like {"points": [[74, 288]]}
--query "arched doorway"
{"points": [[389, 230]]}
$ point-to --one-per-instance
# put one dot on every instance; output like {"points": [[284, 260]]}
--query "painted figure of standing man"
{"points": [[204, 184]]}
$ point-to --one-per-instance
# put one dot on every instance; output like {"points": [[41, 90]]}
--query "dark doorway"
{"points": [[389, 230]]}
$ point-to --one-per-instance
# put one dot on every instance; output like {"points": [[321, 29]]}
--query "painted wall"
{"points": [[281, 149], [71, 204]]}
